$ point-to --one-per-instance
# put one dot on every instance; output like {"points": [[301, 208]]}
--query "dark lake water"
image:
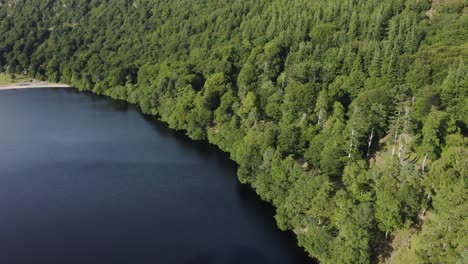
{"points": [[86, 179]]}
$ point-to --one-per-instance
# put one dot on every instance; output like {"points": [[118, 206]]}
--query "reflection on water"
{"points": [[86, 179]]}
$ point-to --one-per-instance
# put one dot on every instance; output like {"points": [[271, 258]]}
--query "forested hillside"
{"points": [[349, 116]]}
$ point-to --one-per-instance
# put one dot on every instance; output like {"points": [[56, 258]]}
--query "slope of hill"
{"points": [[321, 103]]}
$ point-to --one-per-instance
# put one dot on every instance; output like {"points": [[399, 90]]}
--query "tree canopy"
{"points": [[349, 116]]}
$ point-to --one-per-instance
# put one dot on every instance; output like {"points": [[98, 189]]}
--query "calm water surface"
{"points": [[85, 179]]}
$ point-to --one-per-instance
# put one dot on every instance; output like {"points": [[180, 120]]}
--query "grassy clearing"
{"points": [[403, 248], [5, 79]]}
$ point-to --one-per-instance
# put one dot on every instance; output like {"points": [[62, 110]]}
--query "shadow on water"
{"points": [[264, 212], [233, 255], [104, 101]]}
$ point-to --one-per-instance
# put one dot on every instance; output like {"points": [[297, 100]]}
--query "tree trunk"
{"points": [[369, 143], [320, 121], [351, 144], [395, 137], [404, 136], [423, 167], [400, 148], [303, 118]]}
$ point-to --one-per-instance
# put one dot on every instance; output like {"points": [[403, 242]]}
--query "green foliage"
{"points": [[443, 237], [349, 116], [214, 88]]}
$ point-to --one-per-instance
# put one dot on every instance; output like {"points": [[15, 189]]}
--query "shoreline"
{"points": [[32, 85]]}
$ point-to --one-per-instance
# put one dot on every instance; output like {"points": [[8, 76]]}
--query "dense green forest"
{"points": [[349, 116]]}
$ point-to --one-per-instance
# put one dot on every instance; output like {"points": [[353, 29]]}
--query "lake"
{"points": [[87, 179]]}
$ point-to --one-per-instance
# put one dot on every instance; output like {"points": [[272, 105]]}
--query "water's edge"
{"points": [[181, 132]]}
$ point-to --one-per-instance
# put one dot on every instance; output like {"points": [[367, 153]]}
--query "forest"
{"points": [[349, 116]]}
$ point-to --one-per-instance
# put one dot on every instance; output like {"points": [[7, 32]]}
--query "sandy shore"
{"points": [[32, 85]]}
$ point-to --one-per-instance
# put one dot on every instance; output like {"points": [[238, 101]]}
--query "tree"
{"points": [[433, 131], [387, 204], [455, 94], [289, 140], [248, 110], [198, 119], [214, 89], [354, 221], [358, 181], [301, 96], [442, 237], [321, 107], [332, 155]]}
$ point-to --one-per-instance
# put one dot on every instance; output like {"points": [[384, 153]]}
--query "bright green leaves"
{"points": [[358, 181], [248, 110], [215, 87], [398, 196], [308, 203], [308, 97], [443, 236], [455, 93]]}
